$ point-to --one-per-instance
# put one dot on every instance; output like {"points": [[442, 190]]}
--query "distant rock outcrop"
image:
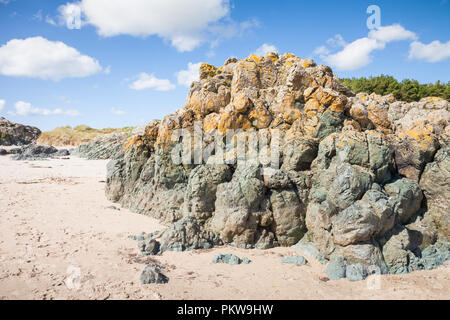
{"points": [[16, 134], [34, 152], [364, 178], [108, 146]]}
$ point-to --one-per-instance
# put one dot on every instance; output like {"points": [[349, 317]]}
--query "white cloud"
{"points": [[337, 41], [358, 53], [5, 2], [50, 20], [118, 112], [26, 109], [149, 81], [391, 33], [70, 15], [2, 104], [355, 55], [186, 77], [433, 52], [184, 23], [320, 51], [38, 57], [265, 48]]}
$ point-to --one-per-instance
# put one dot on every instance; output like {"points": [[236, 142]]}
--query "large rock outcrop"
{"points": [[353, 174], [17, 134]]}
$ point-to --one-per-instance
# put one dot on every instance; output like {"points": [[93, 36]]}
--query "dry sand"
{"points": [[55, 222]]}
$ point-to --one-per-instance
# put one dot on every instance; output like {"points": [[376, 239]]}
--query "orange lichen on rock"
{"points": [[208, 70], [211, 122], [233, 120]]}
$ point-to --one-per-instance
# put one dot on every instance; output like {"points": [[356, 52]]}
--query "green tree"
{"points": [[407, 90]]}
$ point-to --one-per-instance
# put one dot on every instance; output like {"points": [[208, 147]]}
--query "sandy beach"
{"points": [[61, 239]]}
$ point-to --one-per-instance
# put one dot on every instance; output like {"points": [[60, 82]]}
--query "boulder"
{"points": [[406, 196], [17, 134], [355, 272], [152, 274], [297, 260], [230, 259], [37, 152], [436, 188], [336, 269]]}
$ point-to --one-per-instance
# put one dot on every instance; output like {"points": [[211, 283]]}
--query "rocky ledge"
{"points": [[34, 152], [16, 134], [108, 146], [364, 179]]}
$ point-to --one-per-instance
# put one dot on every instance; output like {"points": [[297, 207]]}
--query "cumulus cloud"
{"points": [[149, 81], [433, 52], [184, 23], [321, 51], [186, 77], [38, 57], [27, 109], [391, 33], [358, 53], [265, 48], [118, 112], [354, 55], [2, 104], [336, 41]]}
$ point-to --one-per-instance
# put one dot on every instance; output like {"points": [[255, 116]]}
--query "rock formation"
{"points": [[37, 152], [16, 134], [108, 146], [363, 178]]}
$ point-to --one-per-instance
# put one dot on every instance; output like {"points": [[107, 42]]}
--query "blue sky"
{"points": [[121, 67]]}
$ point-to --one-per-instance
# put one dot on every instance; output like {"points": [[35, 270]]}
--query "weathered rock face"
{"points": [[16, 134], [37, 152], [108, 146], [355, 173]]}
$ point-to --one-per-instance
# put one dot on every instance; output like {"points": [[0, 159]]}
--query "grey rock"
{"points": [[436, 188], [289, 216], [355, 272], [62, 153], [3, 152], [298, 154], [368, 254], [149, 246], [230, 259], [306, 246], [399, 251], [36, 152], [109, 146], [357, 223], [336, 269], [407, 198], [297, 260], [185, 235], [349, 185], [17, 134], [15, 150], [435, 255], [152, 274], [245, 260], [202, 187]]}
